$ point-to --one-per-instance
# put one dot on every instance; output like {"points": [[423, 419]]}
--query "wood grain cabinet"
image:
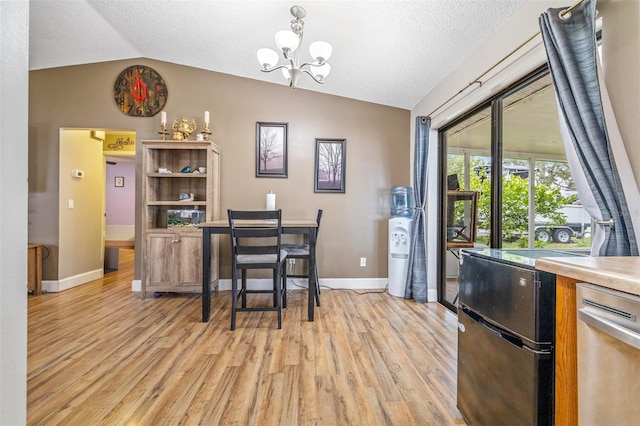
{"points": [[175, 200]]}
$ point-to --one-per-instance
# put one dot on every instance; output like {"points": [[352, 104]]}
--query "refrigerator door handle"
{"points": [[535, 351], [614, 330]]}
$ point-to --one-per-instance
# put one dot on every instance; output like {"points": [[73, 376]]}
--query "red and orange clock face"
{"points": [[139, 91]]}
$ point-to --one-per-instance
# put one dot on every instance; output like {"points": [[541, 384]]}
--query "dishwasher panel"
{"points": [[608, 356]]}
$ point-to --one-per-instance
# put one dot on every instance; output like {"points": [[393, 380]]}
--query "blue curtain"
{"points": [[417, 287], [570, 42]]}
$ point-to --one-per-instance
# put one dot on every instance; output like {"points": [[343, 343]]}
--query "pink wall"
{"points": [[121, 200]]}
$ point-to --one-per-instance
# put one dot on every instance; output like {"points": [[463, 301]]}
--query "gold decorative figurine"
{"points": [[182, 129]]}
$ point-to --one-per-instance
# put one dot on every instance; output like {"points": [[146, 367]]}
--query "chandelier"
{"points": [[289, 41]]}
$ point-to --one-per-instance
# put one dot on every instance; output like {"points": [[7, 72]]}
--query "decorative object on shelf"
{"points": [[182, 129], [271, 150], [139, 91], [288, 42], [186, 196], [330, 165], [205, 127], [184, 218], [118, 181], [163, 170], [163, 126], [186, 169]]}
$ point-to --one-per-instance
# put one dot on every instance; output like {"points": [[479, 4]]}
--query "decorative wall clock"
{"points": [[139, 91]]}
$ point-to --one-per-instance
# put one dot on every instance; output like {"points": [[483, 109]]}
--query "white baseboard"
{"points": [[302, 284], [56, 286]]}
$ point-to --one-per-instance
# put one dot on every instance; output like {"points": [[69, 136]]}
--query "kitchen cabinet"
{"points": [[616, 273], [180, 188]]}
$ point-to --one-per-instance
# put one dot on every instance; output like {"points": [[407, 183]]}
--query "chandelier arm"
{"points": [[314, 64], [279, 67], [311, 75]]}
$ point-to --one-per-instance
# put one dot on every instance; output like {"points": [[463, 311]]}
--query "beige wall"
{"points": [[354, 224], [80, 227]]}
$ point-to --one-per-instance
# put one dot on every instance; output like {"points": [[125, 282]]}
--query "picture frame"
{"points": [[118, 181], [330, 166], [271, 150]]}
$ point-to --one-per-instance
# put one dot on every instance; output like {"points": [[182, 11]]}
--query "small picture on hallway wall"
{"points": [[330, 165], [271, 150], [118, 181]]}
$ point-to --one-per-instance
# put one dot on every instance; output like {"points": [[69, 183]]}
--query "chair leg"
{"points": [[234, 297], [244, 288], [284, 287], [317, 288], [278, 295]]}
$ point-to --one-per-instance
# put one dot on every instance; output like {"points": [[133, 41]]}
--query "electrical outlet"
{"points": [[363, 261]]}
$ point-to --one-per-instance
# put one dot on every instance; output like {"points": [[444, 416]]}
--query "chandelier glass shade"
{"points": [[288, 42]]}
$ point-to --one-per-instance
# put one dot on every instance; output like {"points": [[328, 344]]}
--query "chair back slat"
{"points": [[255, 232]]}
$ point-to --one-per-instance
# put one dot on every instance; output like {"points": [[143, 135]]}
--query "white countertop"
{"points": [[617, 273]]}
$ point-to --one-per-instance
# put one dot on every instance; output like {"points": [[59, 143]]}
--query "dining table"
{"points": [[306, 227]]}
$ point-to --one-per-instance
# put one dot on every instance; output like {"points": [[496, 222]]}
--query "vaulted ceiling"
{"points": [[387, 52]]}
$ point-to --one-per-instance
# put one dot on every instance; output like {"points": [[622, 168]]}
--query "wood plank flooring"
{"points": [[100, 355]]}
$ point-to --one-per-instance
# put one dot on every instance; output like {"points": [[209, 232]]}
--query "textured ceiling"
{"points": [[386, 52]]}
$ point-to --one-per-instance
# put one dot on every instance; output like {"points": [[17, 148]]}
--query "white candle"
{"points": [[271, 201], [163, 117], [206, 116]]}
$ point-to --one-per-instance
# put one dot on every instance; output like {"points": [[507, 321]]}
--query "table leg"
{"points": [[206, 271]]}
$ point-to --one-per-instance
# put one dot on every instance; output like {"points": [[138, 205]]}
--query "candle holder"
{"points": [[163, 131], [205, 131]]}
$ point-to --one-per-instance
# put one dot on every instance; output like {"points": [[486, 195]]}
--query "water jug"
{"points": [[401, 201]]}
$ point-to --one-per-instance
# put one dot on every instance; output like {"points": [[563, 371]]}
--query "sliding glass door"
{"points": [[505, 180]]}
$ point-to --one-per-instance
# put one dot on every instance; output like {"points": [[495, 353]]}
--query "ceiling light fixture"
{"points": [[288, 41]]}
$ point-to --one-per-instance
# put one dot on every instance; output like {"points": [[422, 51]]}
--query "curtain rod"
{"points": [[478, 81]]}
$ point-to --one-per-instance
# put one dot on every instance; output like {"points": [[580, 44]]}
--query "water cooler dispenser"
{"points": [[399, 238]]}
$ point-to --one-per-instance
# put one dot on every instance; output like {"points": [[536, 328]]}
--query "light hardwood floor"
{"points": [[100, 355]]}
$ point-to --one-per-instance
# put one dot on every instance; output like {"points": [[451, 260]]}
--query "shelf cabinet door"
{"points": [[159, 262], [188, 261]]}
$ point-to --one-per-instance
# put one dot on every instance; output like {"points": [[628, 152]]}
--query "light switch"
{"points": [[70, 204]]}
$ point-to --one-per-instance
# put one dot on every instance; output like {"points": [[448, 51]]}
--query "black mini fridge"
{"points": [[506, 322]]}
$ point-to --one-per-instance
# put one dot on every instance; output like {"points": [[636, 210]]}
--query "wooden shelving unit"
{"points": [[172, 255]]}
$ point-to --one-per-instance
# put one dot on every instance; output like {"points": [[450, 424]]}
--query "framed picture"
{"points": [[330, 165], [271, 150], [118, 181]]}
